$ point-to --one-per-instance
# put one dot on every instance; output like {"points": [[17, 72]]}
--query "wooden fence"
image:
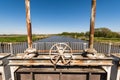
{"points": [[20, 47]]}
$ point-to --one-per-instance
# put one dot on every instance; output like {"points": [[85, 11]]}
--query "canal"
{"points": [[46, 44]]}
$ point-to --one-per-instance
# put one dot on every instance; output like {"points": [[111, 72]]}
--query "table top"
{"points": [[3, 55], [77, 59]]}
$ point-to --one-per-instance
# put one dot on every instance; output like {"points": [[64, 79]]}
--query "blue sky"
{"points": [[56, 16]]}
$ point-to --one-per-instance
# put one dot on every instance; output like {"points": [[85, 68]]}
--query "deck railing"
{"points": [[13, 48], [45, 46], [20, 47]]}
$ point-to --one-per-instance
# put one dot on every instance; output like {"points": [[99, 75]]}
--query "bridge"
{"points": [[64, 59]]}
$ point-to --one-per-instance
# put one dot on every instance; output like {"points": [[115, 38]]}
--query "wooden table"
{"points": [[44, 60]]}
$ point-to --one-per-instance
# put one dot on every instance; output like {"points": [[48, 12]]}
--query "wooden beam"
{"points": [[28, 22], [92, 23]]}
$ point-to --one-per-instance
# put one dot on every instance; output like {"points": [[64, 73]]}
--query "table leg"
{"points": [[13, 69], [118, 75], [2, 72], [108, 70]]}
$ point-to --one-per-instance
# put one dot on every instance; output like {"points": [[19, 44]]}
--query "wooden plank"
{"points": [[64, 70], [58, 76], [46, 77], [80, 62], [23, 76], [95, 77], [47, 56], [4, 55], [73, 77]]}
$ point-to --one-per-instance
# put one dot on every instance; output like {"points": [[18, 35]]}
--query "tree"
{"points": [[104, 32]]}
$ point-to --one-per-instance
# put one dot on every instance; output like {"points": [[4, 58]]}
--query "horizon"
{"points": [[57, 16]]}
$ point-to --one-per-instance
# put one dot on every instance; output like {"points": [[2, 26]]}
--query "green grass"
{"points": [[102, 39], [13, 39], [21, 38]]}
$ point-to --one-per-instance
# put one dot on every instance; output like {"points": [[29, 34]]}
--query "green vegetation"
{"points": [[102, 39], [104, 32], [13, 39], [19, 38], [101, 34], [72, 34]]}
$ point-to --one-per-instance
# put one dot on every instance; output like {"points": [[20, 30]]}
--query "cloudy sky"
{"points": [[56, 16]]}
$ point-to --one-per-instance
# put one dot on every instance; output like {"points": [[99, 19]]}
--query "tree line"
{"points": [[99, 32]]}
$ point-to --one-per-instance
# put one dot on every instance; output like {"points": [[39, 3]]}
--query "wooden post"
{"points": [[84, 46], [28, 22], [109, 49], [11, 48], [92, 23]]}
